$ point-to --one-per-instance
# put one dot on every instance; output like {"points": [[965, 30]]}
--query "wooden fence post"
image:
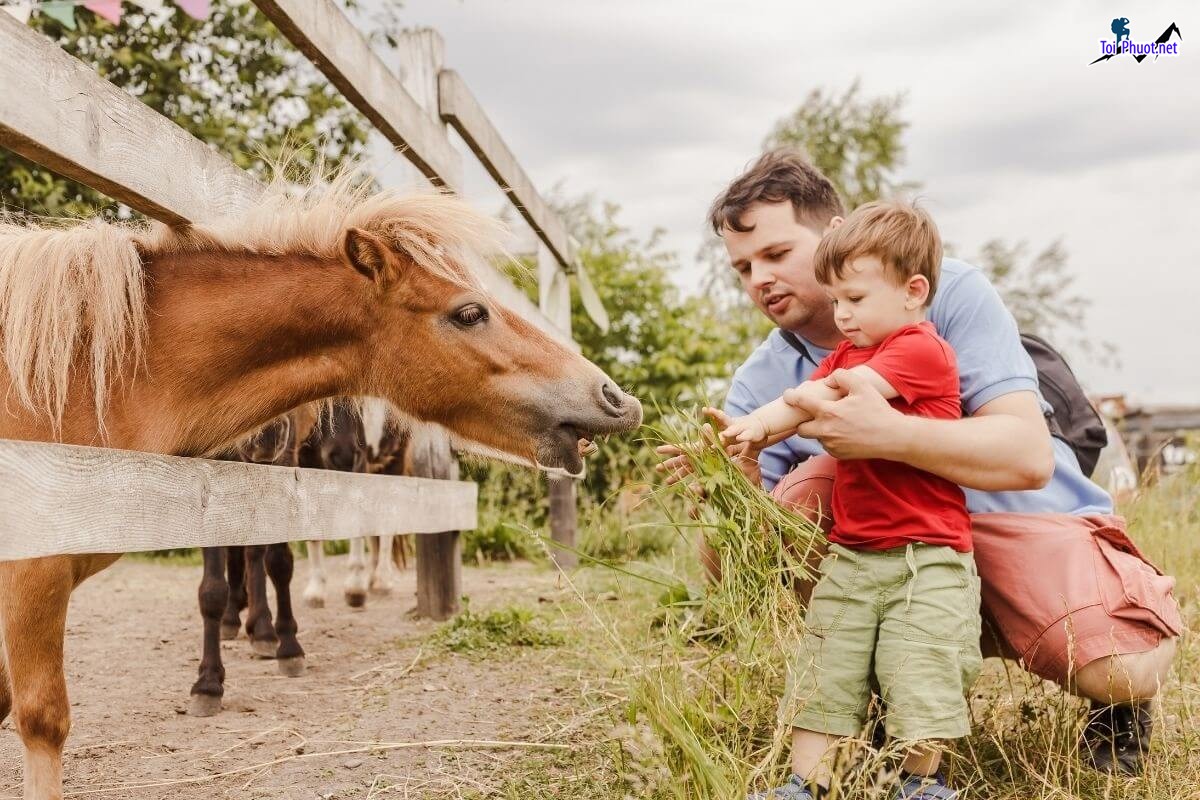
{"points": [[554, 298], [439, 555]]}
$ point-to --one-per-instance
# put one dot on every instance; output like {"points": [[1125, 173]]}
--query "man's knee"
{"points": [[808, 490], [1125, 677]]}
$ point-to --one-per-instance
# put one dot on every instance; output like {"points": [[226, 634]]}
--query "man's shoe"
{"points": [[1117, 737], [925, 787], [794, 789]]}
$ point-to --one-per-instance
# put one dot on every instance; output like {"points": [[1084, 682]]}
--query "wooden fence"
{"points": [[58, 112]]}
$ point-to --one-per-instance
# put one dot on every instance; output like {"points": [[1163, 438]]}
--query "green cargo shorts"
{"points": [[909, 617]]}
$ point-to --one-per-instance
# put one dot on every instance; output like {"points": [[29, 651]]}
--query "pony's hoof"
{"points": [[263, 648], [229, 632], [381, 589], [314, 601], [204, 705], [291, 667], [356, 599]]}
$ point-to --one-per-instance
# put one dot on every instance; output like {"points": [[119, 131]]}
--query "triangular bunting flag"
{"points": [[64, 12], [109, 9], [21, 12], [148, 5], [196, 9]]}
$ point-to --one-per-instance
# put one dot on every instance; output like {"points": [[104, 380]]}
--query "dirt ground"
{"points": [[133, 647]]}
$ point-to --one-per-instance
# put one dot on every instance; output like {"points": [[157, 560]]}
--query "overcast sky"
{"points": [[656, 104]]}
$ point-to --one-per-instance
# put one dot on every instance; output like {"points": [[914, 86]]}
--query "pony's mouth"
{"points": [[564, 448]]}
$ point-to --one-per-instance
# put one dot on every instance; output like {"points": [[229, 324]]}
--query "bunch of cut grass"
{"points": [[708, 687]]}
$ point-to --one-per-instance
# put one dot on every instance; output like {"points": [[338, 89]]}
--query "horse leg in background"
{"points": [[356, 578], [231, 623], [401, 547], [383, 568], [280, 564], [214, 601], [33, 609], [314, 591], [259, 628]]}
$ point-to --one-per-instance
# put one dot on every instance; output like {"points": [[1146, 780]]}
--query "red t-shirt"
{"points": [[879, 504]]}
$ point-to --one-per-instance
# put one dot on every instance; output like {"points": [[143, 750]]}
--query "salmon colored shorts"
{"points": [[1059, 591]]}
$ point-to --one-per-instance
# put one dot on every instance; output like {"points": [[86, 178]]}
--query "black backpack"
{"points": [[1074, 419]]}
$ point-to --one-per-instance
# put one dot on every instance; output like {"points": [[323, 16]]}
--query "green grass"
{"points": [[683, 695], [473, 633]]}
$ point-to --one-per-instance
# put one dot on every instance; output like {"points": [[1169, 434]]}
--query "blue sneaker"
{"points": [[926, 787], [794, 789]]}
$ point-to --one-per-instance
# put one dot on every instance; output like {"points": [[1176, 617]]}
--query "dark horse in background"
{"points": [[235, 577]]}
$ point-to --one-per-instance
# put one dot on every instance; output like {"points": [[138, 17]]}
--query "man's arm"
{"points": [[1004, 446]]}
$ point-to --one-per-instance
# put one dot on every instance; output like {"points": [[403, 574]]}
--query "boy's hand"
{"points": [[677, 466], [745, 429]]}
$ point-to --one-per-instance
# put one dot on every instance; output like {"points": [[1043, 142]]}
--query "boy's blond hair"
{"points": [[901, 235]]}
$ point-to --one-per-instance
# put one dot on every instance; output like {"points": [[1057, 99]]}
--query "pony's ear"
{"points": [[367, 253]]}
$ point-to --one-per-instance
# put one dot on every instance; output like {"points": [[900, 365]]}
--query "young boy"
{"points": [[898, 597]]}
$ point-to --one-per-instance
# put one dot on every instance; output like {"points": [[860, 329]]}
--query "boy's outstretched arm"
{"points": [[779, 419]]}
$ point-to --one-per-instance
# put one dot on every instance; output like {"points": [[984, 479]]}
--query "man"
{"points": [[1063, 587]]}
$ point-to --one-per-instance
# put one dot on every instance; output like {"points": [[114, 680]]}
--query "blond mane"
{"points": [[72, 293]]}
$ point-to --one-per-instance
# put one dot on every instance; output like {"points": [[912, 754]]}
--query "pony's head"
{"points": [[444, 350]]}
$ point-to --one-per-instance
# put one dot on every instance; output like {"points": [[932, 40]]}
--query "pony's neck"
{"points": [[235, 340]]}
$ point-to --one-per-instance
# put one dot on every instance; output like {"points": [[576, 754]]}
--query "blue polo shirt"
{"points": [[968, 313]]}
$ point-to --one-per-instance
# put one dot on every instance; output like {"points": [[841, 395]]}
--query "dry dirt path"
{"points": [[133, 646]]}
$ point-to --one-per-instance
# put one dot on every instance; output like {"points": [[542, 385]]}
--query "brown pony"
{"points": [[182, 340]]}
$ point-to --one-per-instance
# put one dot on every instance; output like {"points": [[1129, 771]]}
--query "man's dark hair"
{"points": [[780, 174]]}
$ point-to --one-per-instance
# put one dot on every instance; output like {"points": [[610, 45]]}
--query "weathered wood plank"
{"points": [[460, 108], [320, 30], [67, 499], [57, 111]]}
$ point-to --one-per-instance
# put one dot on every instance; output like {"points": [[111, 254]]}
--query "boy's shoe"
{"points": [[794, 789], [1117, 737], [925, 787]]}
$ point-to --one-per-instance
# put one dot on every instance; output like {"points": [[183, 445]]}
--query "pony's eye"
{"points": [[470, 314]]}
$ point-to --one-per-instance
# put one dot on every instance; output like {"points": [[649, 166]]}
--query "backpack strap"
{"points": [[797, 345]]}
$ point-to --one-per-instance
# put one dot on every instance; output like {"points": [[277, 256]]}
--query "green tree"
{"points": [[857, 142], [1040, 293], [231, 80]]}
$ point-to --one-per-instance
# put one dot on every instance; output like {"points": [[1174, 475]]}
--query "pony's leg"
{"points": [[231, 622], [280, 565], [356, 579], [314, 592], [214, 601], [401, 550], [33, 610], [260, 630], [383, 573]]}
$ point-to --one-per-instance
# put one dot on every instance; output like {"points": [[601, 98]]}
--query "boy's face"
{"points": [[869, 304], [774, 261]]}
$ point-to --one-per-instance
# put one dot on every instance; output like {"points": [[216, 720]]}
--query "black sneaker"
{"points": [[1117, 737]]}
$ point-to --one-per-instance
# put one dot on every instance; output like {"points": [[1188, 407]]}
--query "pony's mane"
{"points": [[72, 293]]}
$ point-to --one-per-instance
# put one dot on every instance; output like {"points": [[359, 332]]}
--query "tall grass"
{"points": [[701, 690]]}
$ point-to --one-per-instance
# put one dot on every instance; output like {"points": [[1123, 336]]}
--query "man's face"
{"points": [[774, 261]]}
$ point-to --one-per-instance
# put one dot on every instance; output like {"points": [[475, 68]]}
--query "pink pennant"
{"points": [[109, 9], [196, 9]]}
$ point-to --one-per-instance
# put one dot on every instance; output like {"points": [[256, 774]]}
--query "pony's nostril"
{"points": [[612, 395]]}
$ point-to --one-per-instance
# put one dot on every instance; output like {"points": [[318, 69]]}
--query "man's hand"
{"points": [[677, 466], [859, 425]]}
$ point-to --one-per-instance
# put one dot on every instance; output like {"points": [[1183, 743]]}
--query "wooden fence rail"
{"points": [[61, 499]]}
